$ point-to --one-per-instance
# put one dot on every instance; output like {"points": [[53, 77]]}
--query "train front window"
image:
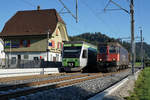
{"points": [[103, 50], [112, 49], [72, 52]]}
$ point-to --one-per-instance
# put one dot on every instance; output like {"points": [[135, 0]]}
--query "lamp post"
{"points": [[132, 34], [8, 43], [47, 50], [47, 46], [9, 54]]}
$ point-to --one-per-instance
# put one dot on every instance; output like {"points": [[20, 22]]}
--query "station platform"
{"points": [[26, 72]]}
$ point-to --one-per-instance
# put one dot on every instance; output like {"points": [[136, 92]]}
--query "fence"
{"points": [[14, 63]]}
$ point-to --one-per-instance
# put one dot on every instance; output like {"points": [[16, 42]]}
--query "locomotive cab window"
{"points": [[103, 50], [112, 49], [84, 55]]}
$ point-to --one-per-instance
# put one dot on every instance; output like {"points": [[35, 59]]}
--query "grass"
{"points": [[142, 86], [137, 64]]}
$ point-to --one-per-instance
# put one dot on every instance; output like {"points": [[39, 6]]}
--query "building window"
{"points": [[24, 43], [57, 57], [14, 44], [54, 59], [51, 57], [13, 60], [26, 56], [36, 58]]}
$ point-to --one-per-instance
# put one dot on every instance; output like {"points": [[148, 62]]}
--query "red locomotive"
{"points": [[112, 57]]}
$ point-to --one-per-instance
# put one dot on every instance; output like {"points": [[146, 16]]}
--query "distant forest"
{"points": [[97, 37]]}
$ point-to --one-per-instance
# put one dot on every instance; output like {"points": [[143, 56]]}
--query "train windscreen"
{"points": [[103, 50], [72, 52], [112, 49]]}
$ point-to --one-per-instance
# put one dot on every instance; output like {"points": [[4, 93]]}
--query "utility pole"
{"points": [[141, 48], [132, 27], [76, 11], [47, 46], [10, 53], [132, 34], [47, 50]]}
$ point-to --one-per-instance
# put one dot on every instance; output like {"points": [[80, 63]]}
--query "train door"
{"points": [[84, 57]]}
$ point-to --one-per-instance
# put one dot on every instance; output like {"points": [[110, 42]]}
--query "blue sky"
{"points": [[92, 18]]}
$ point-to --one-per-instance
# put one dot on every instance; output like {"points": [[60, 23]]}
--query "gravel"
{"points": [[123, 90], [80, 91]]}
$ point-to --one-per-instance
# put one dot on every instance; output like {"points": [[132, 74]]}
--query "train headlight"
{"points": [[114, 59]]}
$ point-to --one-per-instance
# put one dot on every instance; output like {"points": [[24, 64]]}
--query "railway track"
{"points": [[71, 80], [18, 90], [8, 79]]}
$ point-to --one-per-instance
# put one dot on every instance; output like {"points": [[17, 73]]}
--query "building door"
{"points": [[19, 57], [19, 61], [54, 59]]}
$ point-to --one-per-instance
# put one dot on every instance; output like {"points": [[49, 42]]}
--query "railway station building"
{"points": [[34, 34]]}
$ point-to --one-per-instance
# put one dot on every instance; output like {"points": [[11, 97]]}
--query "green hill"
{"points": [[93, 38]]}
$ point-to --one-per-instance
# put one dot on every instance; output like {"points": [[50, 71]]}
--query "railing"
{"points": [[13, 63]]}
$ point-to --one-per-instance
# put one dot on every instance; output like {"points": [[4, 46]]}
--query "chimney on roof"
{"points": [[38, 7]]}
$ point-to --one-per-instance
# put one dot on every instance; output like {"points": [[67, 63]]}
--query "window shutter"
{"points": [[50, 44], [53, 44], [57, 45], [28, 43], [21, 43], [61, 45]]}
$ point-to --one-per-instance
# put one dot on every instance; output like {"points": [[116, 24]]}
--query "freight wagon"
{"points": [[112, 57], [78, 56]]}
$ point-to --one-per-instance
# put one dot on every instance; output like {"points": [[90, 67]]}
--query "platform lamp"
{"points": [[47, 50]]}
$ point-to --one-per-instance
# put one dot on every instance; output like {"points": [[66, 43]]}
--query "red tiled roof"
{"points": [[33, 22]]}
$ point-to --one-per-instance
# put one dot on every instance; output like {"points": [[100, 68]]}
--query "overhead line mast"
{"points": [[132, 27], [68, 10], [132, 33]]}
